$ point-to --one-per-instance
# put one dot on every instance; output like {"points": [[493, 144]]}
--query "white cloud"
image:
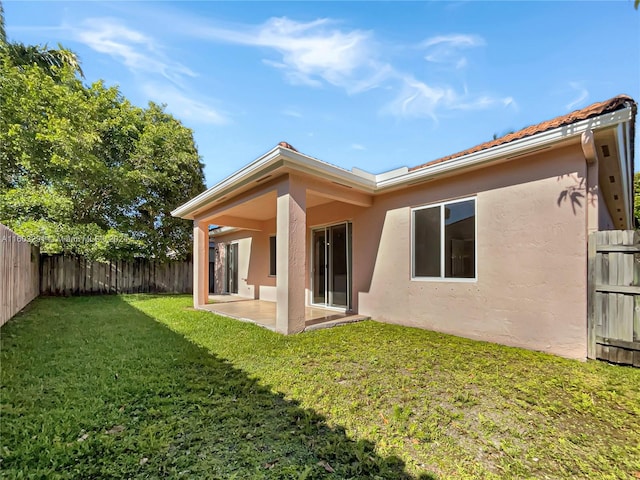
{"points": [[583, 94], [183, 106], [445, 49], [357, 146], [417, 99], [455, 40], [321, 52], [291, 112], [160, 78], [311, 53], [135, 50]]}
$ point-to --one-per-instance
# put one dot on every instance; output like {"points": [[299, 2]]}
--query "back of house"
{"points": [[489, 243]]}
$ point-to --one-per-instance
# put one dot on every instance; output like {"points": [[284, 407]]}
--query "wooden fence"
{"points": [[613, 306], [67, 275], [19, 279]]}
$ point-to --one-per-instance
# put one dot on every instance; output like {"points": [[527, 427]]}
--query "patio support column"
{"points": [[200, 263], [291, 225]]}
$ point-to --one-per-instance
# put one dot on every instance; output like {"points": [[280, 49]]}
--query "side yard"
{"points": [[142, 386]]}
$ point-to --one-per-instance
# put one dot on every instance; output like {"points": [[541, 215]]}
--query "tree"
{"points": [[174, 176], [83, 171], [49, 59]]}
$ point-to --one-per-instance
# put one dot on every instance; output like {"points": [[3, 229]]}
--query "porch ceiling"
{"points": [[261, 208]]}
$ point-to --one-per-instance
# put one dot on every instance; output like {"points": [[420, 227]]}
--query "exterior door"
{"points": [[212, 268], [331, 275], [319, 266], [232, 268]]}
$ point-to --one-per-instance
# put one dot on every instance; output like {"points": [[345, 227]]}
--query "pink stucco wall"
{"points": [[531, 278], [253, 263], [531, 247]]}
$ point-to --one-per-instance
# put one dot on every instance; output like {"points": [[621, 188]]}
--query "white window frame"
{"points": [[442, 277]]}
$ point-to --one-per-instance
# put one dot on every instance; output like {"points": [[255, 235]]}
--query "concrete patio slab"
{"points": [[263, 313]]}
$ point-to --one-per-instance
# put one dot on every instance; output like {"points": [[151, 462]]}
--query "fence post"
{"points": [[591, 294]]}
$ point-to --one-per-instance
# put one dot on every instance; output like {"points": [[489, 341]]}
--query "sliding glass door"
{"points": [[232, 268], [331, 266]]}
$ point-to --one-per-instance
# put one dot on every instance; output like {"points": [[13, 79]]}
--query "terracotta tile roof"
{"points": [[613, 104], [287, 145]]}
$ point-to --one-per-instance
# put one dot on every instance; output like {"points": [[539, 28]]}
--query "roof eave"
{"points": [[186, 209], [294, 160], [513, 149], [313, 166]]}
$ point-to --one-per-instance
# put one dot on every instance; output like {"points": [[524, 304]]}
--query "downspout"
{"points": [[590, 153]]}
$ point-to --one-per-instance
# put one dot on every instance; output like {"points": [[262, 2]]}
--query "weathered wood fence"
{"points": [[19, 278], [613, 307], [25, 273], [68, 275]]}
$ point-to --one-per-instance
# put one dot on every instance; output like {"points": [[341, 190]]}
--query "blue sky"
{"points": [[374, 85]]}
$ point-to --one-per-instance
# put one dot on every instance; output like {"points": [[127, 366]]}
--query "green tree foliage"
{"points": [[49, 59], [83, 171]]}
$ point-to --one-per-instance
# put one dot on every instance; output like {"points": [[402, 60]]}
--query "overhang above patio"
{"points": [[267, 172], [250, 209]]}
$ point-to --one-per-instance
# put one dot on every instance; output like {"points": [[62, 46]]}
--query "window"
{"points": [[272, 256], [444, 240]]}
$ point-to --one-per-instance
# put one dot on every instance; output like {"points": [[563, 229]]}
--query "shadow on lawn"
{"points": [[152, 404]]}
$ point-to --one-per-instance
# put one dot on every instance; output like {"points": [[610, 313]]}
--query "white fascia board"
{"points": [[391, 174], [185, 209], [515, 148], [312, 165], [364, 174], [380, 176], [396, 178], [290, 158]]}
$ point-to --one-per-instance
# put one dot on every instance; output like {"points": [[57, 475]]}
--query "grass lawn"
{"points": [[142, 386]]}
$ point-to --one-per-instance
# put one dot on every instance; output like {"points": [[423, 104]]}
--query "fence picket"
{"points": [[68, 275], [614, 296], [19, 273]]}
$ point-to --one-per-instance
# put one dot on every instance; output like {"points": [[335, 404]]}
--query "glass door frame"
{"points": [[231, 267], [327, 260]]}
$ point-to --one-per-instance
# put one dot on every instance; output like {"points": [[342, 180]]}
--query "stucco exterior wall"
{"points": [[531, 247], [530, 289], [253, 263], [253, 251]]}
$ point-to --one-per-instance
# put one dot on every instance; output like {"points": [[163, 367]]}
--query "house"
{"points": [[489, 243]]}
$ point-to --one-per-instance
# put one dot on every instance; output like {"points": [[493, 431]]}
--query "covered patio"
{"points": [[263, 313], [268, 212]]}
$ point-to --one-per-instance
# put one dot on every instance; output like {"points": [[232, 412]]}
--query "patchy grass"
{"points": [[144, 387]]}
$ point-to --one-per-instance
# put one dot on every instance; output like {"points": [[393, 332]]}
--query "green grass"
{"points": [[145, 387]]}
